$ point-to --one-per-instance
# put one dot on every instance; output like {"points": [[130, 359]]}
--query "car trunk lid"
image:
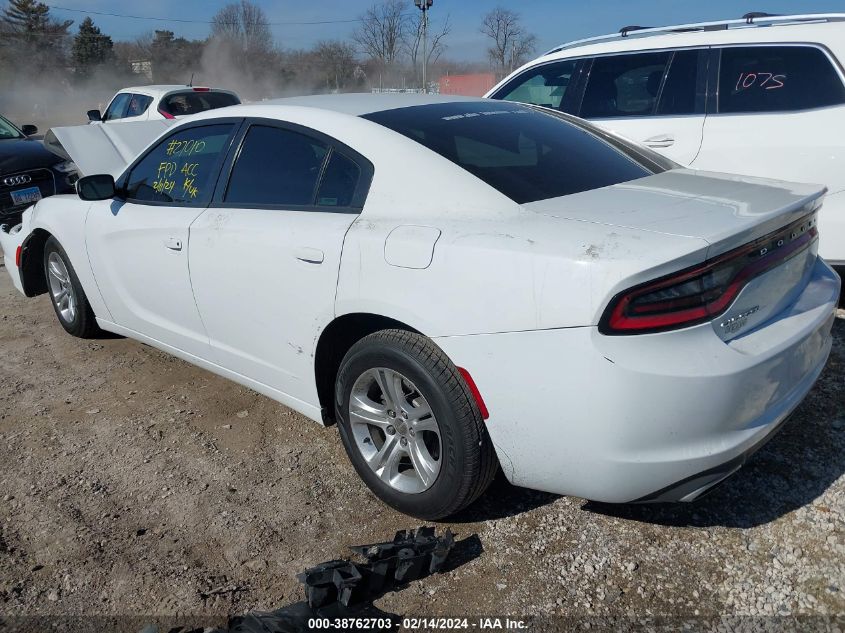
{"points": [[725, 210], [763, 220]]}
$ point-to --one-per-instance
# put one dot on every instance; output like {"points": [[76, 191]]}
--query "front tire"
{"points": [[66, 294], [410, 425]]}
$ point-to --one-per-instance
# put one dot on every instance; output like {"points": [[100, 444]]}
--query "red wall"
{"points": [[467, 85]]}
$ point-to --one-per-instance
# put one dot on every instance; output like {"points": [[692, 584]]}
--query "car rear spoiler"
{"points": [[103, 148]]}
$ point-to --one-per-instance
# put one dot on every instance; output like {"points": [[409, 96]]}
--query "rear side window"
{"points": [[544, 86], [678, 93], [777, 79], [281, 168], [182, 168], [340, 182], [117, 108], [138, 104], [522, 152], [276, 167], [184, 103], [624, 85]]}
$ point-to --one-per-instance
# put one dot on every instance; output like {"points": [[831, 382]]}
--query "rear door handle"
{"points": [[174, 244], [661, 140], [309, 255]]}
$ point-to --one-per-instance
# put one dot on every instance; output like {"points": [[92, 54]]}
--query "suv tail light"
{"points": [[703, 292], [165, 113]]}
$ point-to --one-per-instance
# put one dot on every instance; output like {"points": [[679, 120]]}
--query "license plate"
{"points": [[25, 196]]}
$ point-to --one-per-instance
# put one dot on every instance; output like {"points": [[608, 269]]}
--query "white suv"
{"points": [[761, 96], [144, 103]]}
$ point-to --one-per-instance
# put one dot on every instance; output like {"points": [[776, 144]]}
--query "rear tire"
{"points": [[411, 427], [66, 294]]}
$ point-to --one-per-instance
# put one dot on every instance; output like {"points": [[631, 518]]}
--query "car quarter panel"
{"points": [[529, 272], [712, 401]]}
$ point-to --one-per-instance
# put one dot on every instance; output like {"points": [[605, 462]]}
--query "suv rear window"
{"points": [[524, 153], [777, 79], [183, 103]]}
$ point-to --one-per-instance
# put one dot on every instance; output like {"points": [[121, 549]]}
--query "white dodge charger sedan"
{"points": [[460, 285]]}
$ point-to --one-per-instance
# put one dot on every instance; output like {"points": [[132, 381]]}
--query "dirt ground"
{"points": [[135, 484]]}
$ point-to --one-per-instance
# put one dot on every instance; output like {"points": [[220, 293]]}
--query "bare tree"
{"points": [[336, 62], [244, 25], [382, 31], [512, 44], [436, 37]]}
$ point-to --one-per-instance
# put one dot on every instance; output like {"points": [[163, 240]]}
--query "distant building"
{"points": [[467, 85], [142, 67]]}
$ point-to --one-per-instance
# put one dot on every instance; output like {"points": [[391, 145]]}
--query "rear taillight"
{"points": [[197, 89], [165, 114], [705, 291]]}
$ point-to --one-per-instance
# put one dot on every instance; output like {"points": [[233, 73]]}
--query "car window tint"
{"points": [[624, 85], [276, 167], [117, 109], [138, 104], [544, 86], [524, 153], [777, 78], [678, 94], [7, 130], [340, 181], [184, 103], [182, 168]]}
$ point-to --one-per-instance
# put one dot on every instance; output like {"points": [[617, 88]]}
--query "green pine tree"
{"points": [[31, 38], [90, 48]]}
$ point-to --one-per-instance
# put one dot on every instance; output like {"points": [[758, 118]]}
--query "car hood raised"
{"points": [[22, 154], [101, 148], [724, 210]]}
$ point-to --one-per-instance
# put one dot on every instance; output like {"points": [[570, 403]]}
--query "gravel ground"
{"points": [[133, 483]]}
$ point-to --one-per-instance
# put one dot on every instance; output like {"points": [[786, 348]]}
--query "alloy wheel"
{"points": [[395, 430], [61, 288]]}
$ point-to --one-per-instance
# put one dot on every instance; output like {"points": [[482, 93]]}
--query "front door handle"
{"points": [[173, 243], [661, 140], [309, 255]]}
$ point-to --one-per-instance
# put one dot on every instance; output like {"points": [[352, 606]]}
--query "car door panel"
{"points": [[280, 220], [144, 282], [678, 138], [138, 245], [263, 322], [668, 88]]}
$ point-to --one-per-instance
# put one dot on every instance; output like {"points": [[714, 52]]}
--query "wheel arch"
{"points": [[32, 263], [335, 340]]}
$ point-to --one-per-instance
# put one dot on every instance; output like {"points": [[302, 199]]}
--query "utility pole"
{"points": [[424, 6]]}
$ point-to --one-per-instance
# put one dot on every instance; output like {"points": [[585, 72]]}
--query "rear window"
{"points": [[183, 103], [777, 79], [524, 153]]}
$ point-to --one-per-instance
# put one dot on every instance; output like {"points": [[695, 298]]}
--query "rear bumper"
{"points": [[649, 417]]}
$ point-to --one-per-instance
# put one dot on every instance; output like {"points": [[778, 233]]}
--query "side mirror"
{"points": [[29, 130], [98, 187], [94, 115]]}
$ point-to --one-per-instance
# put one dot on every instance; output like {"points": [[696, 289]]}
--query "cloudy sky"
{"points": [[552, 21]]}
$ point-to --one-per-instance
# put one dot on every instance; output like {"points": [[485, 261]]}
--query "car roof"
{"points": [[359, 104], [821, 28], [162, 89]]}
